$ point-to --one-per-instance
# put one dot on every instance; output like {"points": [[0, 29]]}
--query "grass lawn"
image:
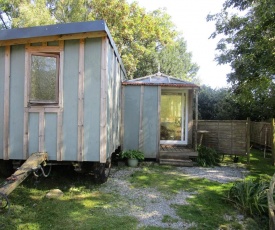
{"points": [[84, 206]]}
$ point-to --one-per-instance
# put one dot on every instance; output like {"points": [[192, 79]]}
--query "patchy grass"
{"points": [[206, 207], [83, 206], [259, 167]]}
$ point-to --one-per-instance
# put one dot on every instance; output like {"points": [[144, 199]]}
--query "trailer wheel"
{"points": [[6, 168], [101, 172]]}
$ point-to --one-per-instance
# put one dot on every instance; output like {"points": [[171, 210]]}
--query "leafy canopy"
{"points": [[248, 39], [248, 45], [144, 39]]}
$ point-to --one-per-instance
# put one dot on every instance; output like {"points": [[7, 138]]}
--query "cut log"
{"points": [[22, 173]]}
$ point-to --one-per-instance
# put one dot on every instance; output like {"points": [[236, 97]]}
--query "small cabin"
{"points": [[158, 117], [60, 92]]}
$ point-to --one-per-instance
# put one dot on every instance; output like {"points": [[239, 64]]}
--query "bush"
{"points": [[207, 157], [132, 154], [250, 197]]}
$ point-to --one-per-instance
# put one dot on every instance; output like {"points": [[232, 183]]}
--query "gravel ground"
{"points": [[149, 206]]}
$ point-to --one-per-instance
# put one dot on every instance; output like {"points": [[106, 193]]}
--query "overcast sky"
{"points": [[190, 18]]}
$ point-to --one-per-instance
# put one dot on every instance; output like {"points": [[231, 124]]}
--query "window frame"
{"points": [[44, 48], [45, 102]]}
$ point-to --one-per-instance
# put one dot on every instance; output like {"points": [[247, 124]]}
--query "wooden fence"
{"points": [[261, 134], [236, 137], [227, 137]]}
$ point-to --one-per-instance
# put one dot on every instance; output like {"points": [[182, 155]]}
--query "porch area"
{"points": [[177, 155]]}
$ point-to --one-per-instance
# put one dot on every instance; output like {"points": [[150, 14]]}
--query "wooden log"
{"points": [[22, 173]]}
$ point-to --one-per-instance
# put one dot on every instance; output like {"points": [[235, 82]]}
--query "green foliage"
{"points": [[247, 44], [249, 196], [141, 37], [217, 104], [207, 156], [132, 154]]}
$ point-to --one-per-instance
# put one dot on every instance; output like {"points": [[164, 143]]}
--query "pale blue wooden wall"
{"points": [[150, 121], [147, 140], [16, 122], [2, 80], [70, 100], [92, 104], [131, 117], [92, 99]]}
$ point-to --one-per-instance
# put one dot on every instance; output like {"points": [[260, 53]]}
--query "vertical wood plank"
{"points": [[59, 135], [60, 112], [61, 72], [26, 109], [141, 104], [196, 120], [103, 100], [6, 104], [41, 131], [158, 128], [81, 100], [122, 99]]}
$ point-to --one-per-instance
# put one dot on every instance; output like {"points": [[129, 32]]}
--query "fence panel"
{"points": [[227, 137], [261, 133]]}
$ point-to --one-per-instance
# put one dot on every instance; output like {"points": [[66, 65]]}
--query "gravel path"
{"points": [[149, 206]]}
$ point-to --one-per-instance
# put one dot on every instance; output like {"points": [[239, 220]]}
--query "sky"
{"points": [[189, 16]]}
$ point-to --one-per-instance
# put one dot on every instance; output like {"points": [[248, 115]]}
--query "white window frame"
{"points": [[184, 123]]}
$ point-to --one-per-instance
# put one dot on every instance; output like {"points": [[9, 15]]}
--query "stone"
{"points": [[54, 194]]}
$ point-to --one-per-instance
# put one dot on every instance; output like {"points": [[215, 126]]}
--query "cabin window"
{"points": [[44, 73]]}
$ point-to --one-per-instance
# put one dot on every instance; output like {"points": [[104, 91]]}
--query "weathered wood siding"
{"points": [[70, 100], [141, 124], [80, 127], [261, 133], [190, 117], [113, 102], [16, 105], [227, 137], [131, 111], [2, 99], [92, 99]]}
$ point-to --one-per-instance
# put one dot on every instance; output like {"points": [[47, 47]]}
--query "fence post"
{"points": [[273, 140], [248, 140]]}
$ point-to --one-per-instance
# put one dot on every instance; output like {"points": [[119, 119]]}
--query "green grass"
{"points": [[83, 206], [206, 206], [259, 167]]}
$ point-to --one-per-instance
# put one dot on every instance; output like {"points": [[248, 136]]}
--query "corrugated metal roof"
{"points": [[160, 79]]}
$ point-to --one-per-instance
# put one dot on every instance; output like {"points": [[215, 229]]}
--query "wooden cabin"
{"points": [[60, 92], [158, 118]]}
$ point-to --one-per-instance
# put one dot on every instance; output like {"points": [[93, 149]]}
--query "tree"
{"points": [[217, 104], [139, 35], [248, 42]]}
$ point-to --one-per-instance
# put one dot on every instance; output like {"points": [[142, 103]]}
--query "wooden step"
{"points": [[178, 155], [176, 162]]}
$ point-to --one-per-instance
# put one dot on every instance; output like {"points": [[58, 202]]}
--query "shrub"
{"points": [[207, 156], [249, 196], [132, 154]]}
